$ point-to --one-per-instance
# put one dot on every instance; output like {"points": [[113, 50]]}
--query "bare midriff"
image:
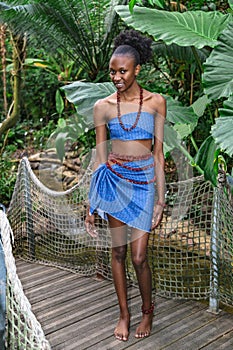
{"points": [[130, 151], [134, 148]]}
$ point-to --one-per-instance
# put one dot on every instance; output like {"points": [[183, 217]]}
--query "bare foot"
{"points": [[144, 328], [122, 329]]}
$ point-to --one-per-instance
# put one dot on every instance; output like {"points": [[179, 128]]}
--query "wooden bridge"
{"points": [[79, 313]]}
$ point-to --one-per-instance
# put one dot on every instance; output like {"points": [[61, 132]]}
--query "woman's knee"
{"points": [[119, 254], [139, 261]]}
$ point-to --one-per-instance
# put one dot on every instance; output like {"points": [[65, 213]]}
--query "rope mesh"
{"points": [[23, 330], [48, 227], [223, 250], [181, 246]]}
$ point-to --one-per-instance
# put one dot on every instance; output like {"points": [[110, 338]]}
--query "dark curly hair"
{"points": [[132, 43]]}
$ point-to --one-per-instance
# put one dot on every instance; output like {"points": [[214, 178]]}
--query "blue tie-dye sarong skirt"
{"points": [[125, 191]]}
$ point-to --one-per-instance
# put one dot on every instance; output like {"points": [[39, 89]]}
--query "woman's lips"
{"points": [[119, 85]]}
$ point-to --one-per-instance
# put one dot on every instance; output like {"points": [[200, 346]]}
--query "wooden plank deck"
{"points": [[79, 313]]}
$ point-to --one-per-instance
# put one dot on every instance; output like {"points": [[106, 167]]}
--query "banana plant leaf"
{"points": [[222, 130], [218, 68], [191, 28]]}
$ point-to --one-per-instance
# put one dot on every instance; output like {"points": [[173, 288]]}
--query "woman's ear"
{"points": [[137, 69]]}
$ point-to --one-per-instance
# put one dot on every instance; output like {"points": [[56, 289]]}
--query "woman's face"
{"points": [[123, 71]]}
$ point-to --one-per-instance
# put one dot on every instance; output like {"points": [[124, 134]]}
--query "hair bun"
{"points": [[136, 40]]}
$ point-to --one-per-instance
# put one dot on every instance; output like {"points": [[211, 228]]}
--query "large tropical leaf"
{"points": [[183, 118], [200, 104], [222, 130], [218, 68], [177, 113], [207, 159], [171, 138], [191, 28], [179, 53], [84, 95]]}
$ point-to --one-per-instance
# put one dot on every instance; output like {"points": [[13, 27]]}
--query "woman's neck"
{"points": [[131, 94]]}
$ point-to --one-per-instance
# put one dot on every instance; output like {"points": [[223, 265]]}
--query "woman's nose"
{"points": [[117, 77]]}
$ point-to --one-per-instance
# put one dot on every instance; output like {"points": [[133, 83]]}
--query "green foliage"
{"points": [[82, 29], [72, 131], [38, 96], [8, 170], [59, 103], [187, 29], [218, 73], [207, 157], [222, 130], [204, 5], [15, 138], [38, 136], [84, 95], [195, 28], [218, 82]]}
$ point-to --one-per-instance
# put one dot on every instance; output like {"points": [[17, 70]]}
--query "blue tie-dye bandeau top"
{"points": [[143, 131]]}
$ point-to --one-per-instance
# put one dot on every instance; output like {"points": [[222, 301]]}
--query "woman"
{"points": [[122, 186]]}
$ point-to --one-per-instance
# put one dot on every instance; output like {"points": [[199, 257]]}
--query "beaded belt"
{"points": [[128, 158], [114, 158]]}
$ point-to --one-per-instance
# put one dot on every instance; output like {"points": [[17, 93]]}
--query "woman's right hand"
{"points": [[90, 224]]}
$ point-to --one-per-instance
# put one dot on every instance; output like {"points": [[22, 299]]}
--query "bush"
{"points": [[8, 170]]}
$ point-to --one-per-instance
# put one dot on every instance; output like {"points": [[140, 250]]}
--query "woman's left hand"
{"points": [[90, 224], [157, 216]]}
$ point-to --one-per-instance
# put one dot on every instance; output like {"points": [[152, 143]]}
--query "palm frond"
{"points": [[79, 28]]}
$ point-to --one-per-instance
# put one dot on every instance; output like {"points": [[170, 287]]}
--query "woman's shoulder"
{"points": [[153, 96], [103, 107], [106, 101], [154, 101]]}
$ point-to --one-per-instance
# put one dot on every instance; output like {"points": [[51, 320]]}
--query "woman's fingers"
{"points": [[90, 227], [157, 218]]}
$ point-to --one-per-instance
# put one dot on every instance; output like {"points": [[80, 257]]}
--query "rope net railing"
{"points": [[222, 248], [49, 228], [23, 331]]}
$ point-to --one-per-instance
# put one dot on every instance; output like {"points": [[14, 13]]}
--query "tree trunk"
{"points": [[3, 56], [19, 46]]}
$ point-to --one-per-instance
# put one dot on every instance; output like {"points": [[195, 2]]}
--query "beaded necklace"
{"points": [[138, 114]]}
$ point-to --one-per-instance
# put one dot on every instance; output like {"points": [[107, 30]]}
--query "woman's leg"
{"points": [[139, 245], [119, 251]]}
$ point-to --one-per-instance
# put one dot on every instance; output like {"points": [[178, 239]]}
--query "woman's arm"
{"points": [[101, 133], [159, 160], [101, 157]]}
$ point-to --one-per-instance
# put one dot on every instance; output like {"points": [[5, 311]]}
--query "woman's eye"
{"points": [[122, 71], [112, 72]]}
